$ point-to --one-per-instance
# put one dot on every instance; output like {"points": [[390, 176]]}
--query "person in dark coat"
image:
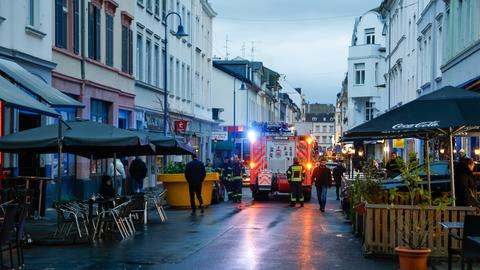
{"points": [[138, 172], [106, 191], [338, 172], [322, 176], [393, 166], [195, 174], [465, 184]]}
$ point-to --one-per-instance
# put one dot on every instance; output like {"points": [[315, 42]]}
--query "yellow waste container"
{"points": [[177, 186]]}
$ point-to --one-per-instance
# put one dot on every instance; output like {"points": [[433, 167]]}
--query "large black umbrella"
{"points": [[442, 110], [448, 111], [85, 138], [80, 137]]}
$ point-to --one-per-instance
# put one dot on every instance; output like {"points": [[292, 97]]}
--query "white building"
{"points": [[401, 60], [189, 68], [429, 45], [26, 39], [26, 35], [401, 30], [225, 84], [320, 123], [366, 67], [461, 53]]}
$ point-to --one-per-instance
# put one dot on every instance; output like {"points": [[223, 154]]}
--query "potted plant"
{"points": [[364, 191], [414, 253], [173, 179]]}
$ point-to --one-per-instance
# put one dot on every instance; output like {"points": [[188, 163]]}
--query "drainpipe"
{"points": [[389, 57]]}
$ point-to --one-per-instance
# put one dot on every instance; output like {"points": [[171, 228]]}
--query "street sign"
{"points": [[220, 135]]}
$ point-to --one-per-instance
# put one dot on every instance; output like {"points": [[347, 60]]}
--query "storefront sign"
{"points": [[428, 124], [181, 126], [220, 136], [398, 143]]}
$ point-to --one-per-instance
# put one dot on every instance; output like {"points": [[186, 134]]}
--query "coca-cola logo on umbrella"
{"points": [[426, 124]]}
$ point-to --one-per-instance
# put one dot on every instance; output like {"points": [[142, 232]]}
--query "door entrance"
{"points": [[28, 164]]}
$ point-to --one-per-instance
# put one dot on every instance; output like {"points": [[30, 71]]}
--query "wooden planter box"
{"points": [[178, 194], [383, 224]]}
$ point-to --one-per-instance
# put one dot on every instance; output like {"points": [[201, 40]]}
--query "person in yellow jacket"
{"points": [[296, 176]]}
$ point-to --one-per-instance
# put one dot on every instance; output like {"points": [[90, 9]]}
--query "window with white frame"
{"points": [[164, 9], [157, 65], [139, 57], [148, 58], [359, 73], [438, 72], [370, 36], [184, 82], [177, 78], [368, 110], [189, 84], [32, 16]]}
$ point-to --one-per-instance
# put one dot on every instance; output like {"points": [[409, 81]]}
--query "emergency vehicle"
{"points": [[272, 150]]}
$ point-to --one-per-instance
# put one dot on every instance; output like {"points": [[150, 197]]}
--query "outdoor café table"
{"points": [[99, 202], [451, 226]]}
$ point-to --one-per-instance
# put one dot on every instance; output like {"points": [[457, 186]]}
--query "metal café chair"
{"points": [[469, 249], [111, 218], [72, 214]]}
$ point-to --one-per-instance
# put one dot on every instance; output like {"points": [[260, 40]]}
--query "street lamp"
{"points": [[242, 88], [179, 34]]}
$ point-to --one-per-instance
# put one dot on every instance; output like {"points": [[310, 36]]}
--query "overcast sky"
{"points": [[306, 40]]}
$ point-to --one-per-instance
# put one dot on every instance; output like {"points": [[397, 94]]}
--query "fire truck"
{"points": [[272, 150]]}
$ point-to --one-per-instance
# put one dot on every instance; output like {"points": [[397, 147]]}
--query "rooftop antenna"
{"points": [[243, 50], [227, 53], [253, 51]]}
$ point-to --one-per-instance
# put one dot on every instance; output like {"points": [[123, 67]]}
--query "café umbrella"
{"points": [[81, 137], [448, 111]]}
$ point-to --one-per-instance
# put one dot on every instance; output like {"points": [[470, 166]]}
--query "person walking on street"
{"points": [[195, 174], [138, 172], [321, 176], [296, 176], [237, 173], [338, 173], [119, 174]]}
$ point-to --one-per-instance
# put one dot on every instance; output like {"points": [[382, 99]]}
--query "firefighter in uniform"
{"points": [[225, 170], [296, 176], [237, 173]]}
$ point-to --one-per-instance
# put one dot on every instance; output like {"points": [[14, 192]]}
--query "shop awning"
{"points": [[14, 97], [35, 85], [166, 145]]}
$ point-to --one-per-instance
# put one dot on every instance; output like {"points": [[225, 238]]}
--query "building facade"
{"points": [[320, 123], [461, 54], [189, 69], [366, 67], [26, 31], [92, 46], [429, 45]]}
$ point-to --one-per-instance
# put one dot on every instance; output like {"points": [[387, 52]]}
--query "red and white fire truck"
{"points": [[272, 150]]}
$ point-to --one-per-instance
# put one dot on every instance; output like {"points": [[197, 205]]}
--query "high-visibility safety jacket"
{"points": [[237, 171], [296, 173]]}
